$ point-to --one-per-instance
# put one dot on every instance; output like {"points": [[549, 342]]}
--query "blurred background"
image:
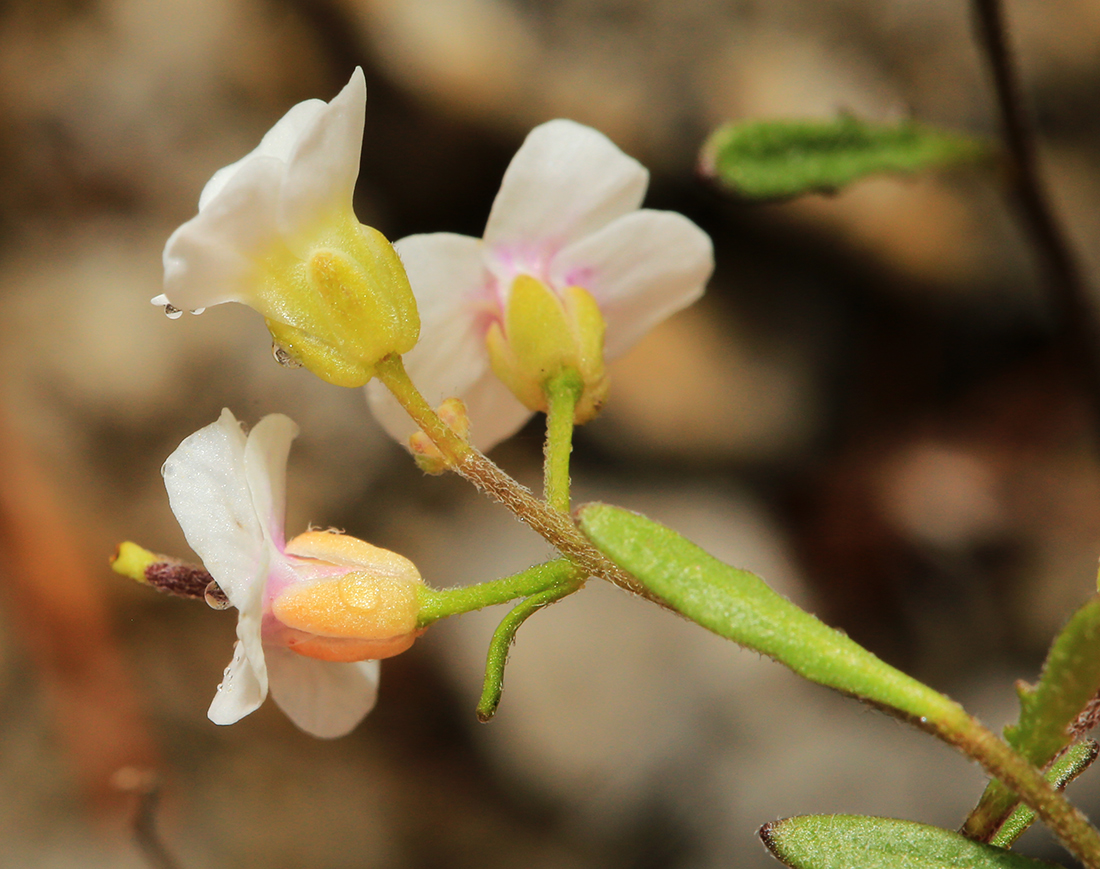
{"points": [[868, 408]]}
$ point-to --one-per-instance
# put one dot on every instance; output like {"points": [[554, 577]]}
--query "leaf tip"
{"points": [[769, 835]]}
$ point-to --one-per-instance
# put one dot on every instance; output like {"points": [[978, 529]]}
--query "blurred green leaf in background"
{"points": [[779, 159]]}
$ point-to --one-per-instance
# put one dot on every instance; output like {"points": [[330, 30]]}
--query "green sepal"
{"points": [[343, 308], [780, 159], [858, 842]]}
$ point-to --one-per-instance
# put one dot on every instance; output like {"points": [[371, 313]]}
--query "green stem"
{"points": [[562, 394], [555, 527], [1053, 712], [1070, 764], [738, 605], [955, 726], [436, 604], [502, 639]]}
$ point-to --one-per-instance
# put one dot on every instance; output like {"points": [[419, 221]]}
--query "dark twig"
{"points": [[1076, 320], [146, 786]]}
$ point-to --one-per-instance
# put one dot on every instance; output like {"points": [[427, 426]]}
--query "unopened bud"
{"points": [[426, 454], [367, 610]]}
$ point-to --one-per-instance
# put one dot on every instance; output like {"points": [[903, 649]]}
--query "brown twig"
{"points": [[145, 784], [1076, 320]]}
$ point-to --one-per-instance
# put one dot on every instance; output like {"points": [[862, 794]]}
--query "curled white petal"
{"points": [[244, 686], [322, 698], [301, 173], [323, 166], [209, 260], [209, 493], [277, 142], [565, 181], [640, 269]]}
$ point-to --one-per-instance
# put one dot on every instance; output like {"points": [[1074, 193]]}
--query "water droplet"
{"points": [[215, 597], [173, 312], [284, 358], [198, 311]]}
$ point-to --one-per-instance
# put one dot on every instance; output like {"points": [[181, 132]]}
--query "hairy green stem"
{"points": [[555, 527], [436, 604], [998, 759], [1070, 764], [499, 646], [562, 394]]}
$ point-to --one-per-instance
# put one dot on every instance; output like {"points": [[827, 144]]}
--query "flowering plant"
{"points": [[570, 271]]}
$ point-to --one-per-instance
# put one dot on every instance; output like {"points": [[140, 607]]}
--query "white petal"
{"points": [[208, 260], [324, 164], [209, 494], [278, 142], [495, 413], [322, 698], [640, 269], [566, 181], [449, 281], [244, 685], [265, 456]]}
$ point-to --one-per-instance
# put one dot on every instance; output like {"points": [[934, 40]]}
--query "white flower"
{"points": [[276, 231], [311, 611], [567, 214]]}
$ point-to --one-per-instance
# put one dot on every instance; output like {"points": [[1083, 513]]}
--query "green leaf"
{"points": [[1070, 679], [738, 605], [778, 159], [1070, 764], [857, 842]]}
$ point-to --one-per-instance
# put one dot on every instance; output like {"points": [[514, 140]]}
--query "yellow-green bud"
{"points": [[343, 308], [427, 455], [544, 335]]}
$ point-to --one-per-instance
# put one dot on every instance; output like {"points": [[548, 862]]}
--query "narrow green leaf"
{"points": [[738, 605], [1066, 767], [777, 159], [857, 842], [1070, 679]]}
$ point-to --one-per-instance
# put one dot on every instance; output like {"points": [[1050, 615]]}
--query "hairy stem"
{"points": [[1003, 763], [501, 643], [562, 393], [1073, 761], [555, 527], [436, 604]]}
